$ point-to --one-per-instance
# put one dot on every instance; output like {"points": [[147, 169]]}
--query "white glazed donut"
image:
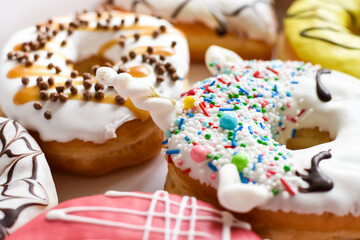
{"points": [[245, 26], [135, 215], [223, 141], [38, 80], [27, 188]]}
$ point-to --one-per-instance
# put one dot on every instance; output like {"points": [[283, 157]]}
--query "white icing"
{"points": [[255, 21], [340, 117], [25, 179], [162, 110], [88, 121], [187, 203]]}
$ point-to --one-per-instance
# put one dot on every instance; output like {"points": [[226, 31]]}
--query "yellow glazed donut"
{"points": [[323, 32], [239, 139], [48, 84]]}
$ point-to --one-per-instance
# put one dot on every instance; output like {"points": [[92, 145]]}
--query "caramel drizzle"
{"points": [[165, 50], [34, 71]]}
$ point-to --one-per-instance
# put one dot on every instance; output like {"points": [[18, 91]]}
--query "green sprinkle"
{"points": [[276, 158], [230, 95], [212, 102], [259, 141], [219, 114], [236, 107], [208, 156], [243, 145], [240, 160], [230, 133], [282, 108], [275, 191], [248, 97], [218, 85], [242, 94], [211, 64], [240, 124], [230, 138], [287, 168], [254, 105], [254, 89], [280, 154], [244, 103], [217, 157], [189, 142], [276, 79], [298, 68], [236, 95], [266, 79], [207, 136], [263, 110]]}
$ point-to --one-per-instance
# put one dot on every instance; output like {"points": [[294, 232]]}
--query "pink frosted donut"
{"points": [[134, 215]]}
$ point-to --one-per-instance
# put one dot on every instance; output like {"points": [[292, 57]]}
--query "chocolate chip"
{"points": [[99, 86], [95, 68], [11, 55], [162, 57], [168, 65], [155, 34], [54, 96], [136, 19], [38, 81], [70, 31], [87, 84], [174, 77], [73, 90], [44, 95], [63, 97], [43, 85], [68, 83], [74, 73], [49, 54], [37, 106], [69, 62], [122, 69], [50, 66], [50, 81], [57, 69], [160, 69], [60, 89], [86, 76], [122, 22], [152, 60], [150, 50], [122, 43], [87, 95], [173, 44], [99, 95], [124, 59], [160, 79], [61, 26], [145, 57], [47, 115], [36, 57], [132, 54], [38, 27], [162, 28], [136, 36], [119, 100], [171, 69], [28, 63], [25, 81], [63, 43]]}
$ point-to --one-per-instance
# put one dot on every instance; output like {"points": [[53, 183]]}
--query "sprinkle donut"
{"points": [[47, 72], [273, 141], [27, 188], [246, 27], [323, 32], [135, 215]]}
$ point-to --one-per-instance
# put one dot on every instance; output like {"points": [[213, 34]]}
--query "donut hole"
{"points": [[308, 137], [85, 65]]}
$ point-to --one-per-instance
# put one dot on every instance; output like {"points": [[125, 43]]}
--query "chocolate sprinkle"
{"points": [[37, 106], [322, 93], [119, 100], [87, 95], [25, 81], [47, 115]]}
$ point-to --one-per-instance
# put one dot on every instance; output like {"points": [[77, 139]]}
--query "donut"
{"points": [[135, 215], [48, 85], [274, 142], [323, 32], [246, 27], [27, 188]]}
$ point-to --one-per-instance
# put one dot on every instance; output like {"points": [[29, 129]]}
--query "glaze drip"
{"points": [[15, 159], [322, 93], [318, 182]]}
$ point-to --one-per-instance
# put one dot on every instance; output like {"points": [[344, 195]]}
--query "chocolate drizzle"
{"points": [[318, 182], [30, 198], [221, 29], [322, 93]]}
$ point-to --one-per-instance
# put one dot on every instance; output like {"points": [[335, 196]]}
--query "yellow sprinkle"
{"points": [[189, 102]]}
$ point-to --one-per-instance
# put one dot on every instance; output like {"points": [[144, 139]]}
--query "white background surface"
{"points": [[147, 177]]}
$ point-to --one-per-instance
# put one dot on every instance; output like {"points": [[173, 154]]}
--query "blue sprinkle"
{"points": [[233, 141], [181, 78], [187, 138], [262, 126], [212, 167], [293, 133], [243, 179], [254, 166], [207, 99], [199, 132], [165, 142], [276, 89], [174, 151], [294, 82], [280, 124], [293, 74], [168, 133], [260, 95], [283, 156], [226, 109], [181, 122], [190, 114], [250, 130], [288, 94], [239, 128], [212, 84], [260, 158], [243, 90]]}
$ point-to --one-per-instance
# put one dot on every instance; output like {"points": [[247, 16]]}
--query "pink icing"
{"points": [[157, 211]]}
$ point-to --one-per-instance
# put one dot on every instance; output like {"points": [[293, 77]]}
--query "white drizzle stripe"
{"points": [[228, 221]]}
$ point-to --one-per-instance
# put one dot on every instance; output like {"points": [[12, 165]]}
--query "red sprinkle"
{"points": [[186, 171], [269, 68], [291, 119], [257, 74], [190, 92], [222, 81], [301, 112], [203, 108], [287, 187], [288, 105], [265, 119], [180, 162], [271, 172], [195, 143], [229, 146], [237, 79], [211, 124]]}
